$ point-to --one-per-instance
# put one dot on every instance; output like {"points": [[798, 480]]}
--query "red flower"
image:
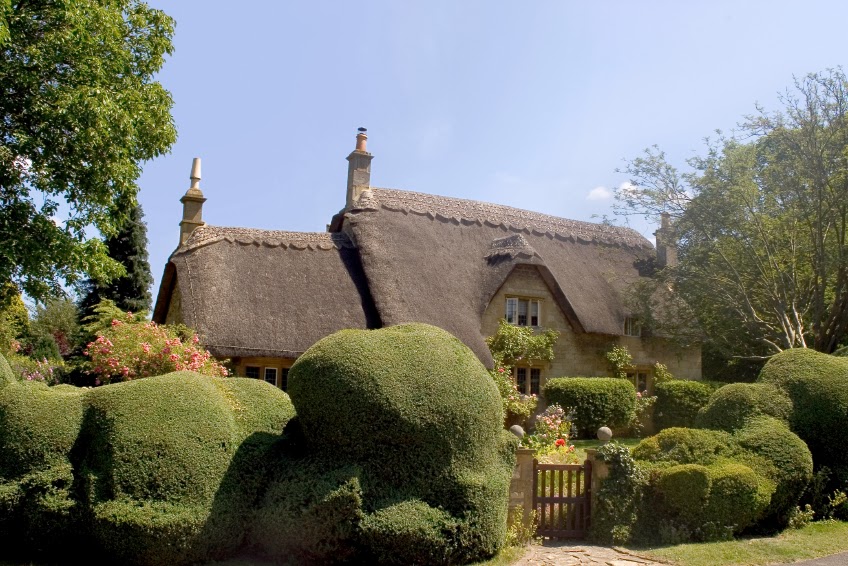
{"points": [[560, 442]]}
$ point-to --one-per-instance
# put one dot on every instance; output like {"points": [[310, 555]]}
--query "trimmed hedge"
{"points": [[791, 464], [818, 386], [686, 446], [731, 406], [678, 402], [596, 401], [419, 416]]}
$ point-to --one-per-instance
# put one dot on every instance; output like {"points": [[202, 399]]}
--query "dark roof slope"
{"points": [[265, 292], [440, 260]]}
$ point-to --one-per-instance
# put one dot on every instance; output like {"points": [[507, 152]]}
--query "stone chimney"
{"points": [[666, 242], [192, 204], [358, 169]]}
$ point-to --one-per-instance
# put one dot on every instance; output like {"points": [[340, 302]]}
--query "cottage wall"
{"points": [[579, 353]]}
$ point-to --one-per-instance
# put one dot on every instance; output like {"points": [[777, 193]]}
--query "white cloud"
{"points": [[628, 187], [599, 193]]}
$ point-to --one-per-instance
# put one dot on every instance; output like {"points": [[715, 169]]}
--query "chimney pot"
{"points": [[358, 169], [192, 201]]}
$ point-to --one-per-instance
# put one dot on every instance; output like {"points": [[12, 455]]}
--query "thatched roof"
{"points": [[440, 260], [265, 292]]}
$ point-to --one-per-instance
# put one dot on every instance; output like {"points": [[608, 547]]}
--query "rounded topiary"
{"points": [[792, 463], [731, 406], [678, 402], [7, 376], [596, 401], [817, 384], [686, 446], [416, 412]]}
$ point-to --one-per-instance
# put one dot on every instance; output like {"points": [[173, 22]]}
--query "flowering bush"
{"points": [[550, 435], [129, 349], [643, 413], [516, 405], [44, 370]]}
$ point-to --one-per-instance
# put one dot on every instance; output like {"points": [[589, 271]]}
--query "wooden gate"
{"points": [[562, 495]]}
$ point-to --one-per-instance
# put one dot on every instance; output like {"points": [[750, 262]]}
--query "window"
{"points": [[271, 376], [251, 371], [284, 379], [632, 326], [639, 378], [523, 312], [535, 381]]}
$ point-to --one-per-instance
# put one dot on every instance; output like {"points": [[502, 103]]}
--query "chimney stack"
{"points": [[192, 204], [358, 169], [666, 242]]}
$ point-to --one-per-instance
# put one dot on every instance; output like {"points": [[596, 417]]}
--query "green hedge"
{"points": [[731, 406], [678, 403], [818, 386], [686, 446], [419, 416], [791, 464], [596, 401]]}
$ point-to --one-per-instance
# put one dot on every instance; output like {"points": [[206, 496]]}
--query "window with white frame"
{"points": [[632, 326], [528, 380], [523, 311]]}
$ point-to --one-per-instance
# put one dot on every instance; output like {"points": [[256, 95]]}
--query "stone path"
{"points": [[570, 553]]}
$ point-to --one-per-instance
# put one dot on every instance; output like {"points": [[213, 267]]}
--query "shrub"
{"points": [[596, 401], [619, 502], [792, 464], [678, 403], [817, 384], [686, 446], [414, 396], [731, 406], [131, 350]]}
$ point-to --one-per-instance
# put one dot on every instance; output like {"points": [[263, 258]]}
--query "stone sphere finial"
{"points": [[604, 434], [517, 430]]}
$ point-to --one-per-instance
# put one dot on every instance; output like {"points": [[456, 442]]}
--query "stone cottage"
{"points": [[262, 297]]}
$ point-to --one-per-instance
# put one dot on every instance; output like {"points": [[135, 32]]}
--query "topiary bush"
{"points": [[417, 421], [818, 386], [731, 406], [686, 446], [791, 466], [596, 401], [678, 403]]}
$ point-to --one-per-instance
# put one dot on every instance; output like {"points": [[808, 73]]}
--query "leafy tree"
{"points": [[79, 111], [761, 222], [54, 328], [130, 292]]}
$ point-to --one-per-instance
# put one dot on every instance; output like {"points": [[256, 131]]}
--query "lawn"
{"points": [[580, 446], [813, 541]]}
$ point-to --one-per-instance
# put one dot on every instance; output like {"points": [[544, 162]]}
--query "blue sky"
{"points": [[529, 104]]}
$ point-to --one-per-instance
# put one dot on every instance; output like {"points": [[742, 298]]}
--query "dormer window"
{"points": [[522, 311], [632, 326]]}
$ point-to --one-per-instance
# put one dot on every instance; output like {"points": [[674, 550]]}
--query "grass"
{"points": [[813, 541], [580, 446]]}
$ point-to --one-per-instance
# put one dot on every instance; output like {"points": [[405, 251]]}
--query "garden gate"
{"points": [[562, 495]]}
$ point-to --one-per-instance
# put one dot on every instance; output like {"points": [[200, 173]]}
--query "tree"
{"points": [[761, 223], [130, 292], [79, 112]]}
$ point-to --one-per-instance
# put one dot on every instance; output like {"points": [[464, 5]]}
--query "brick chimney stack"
{"points": [[666, 242], [192, 204], [358, 169]]}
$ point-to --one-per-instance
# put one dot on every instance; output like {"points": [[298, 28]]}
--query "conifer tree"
{"points": [[130, 292]]}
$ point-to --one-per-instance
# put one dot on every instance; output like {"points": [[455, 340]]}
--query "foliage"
{"points": [[519, 534], [80, 111], [799, 518], [158, 471], [620, 360], [512, 344], [685, 446], [817, 384], [129, 292], [131, 350], [618, 502], [761, 224], [661, 373], [415, 396], [55, 321], [643, 413], [595, 401], [731, 406], [14, 319], [551, 432], [678, 402], [516, 405], [791, 466]]}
